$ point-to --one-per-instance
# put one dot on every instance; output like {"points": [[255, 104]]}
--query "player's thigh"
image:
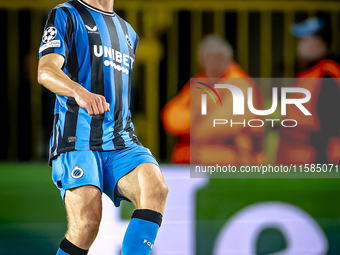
{"points": [[78, 175], [76, 169], [83, 206], [145, 187]]}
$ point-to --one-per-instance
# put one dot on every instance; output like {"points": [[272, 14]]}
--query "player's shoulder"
{"points": [[64, 9], [126, 23]]}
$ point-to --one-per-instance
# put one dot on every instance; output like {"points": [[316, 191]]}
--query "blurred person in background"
{"points": [[316, 138], [239, 144]]}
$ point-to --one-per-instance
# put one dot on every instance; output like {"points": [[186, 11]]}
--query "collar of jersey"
{"points": [[96, 9]]}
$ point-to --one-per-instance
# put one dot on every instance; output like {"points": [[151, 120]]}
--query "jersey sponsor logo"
{"points": [[117, 67], [53, 44], [92, 30], [128, 41], [49, 34], [119, 61], [77, 172]]}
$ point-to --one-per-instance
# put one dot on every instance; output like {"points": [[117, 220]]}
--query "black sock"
{"points": [[150, 215], [67, 247]]}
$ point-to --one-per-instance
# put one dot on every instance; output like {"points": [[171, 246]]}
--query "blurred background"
{"points": [[31, 212]]}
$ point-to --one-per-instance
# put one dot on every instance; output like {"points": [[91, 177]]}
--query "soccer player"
{"points": [[87, 57]]}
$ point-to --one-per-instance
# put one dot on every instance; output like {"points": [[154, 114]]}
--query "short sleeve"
{"points": [[57, 33], [136, 44]]}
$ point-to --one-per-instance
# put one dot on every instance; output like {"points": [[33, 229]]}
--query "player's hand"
{"points": [[94, 104]]}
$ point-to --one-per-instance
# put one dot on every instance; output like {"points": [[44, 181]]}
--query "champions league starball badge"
{"points": [[49, 34]]}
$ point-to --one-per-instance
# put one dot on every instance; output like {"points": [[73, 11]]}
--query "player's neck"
{"points": [[104, 5]]}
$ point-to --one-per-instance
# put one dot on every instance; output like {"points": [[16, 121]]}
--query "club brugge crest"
{"points": [[77, 172], [128, 41]]}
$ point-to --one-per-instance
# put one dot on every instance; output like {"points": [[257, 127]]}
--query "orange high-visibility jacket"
{"points": [[316, 138], [176, 116]]}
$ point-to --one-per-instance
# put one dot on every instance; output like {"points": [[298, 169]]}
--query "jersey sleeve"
{"points": [[134, 37], [136, 44], [57, 34]]}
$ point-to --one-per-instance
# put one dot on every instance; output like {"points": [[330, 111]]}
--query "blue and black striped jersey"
{"points": [[99, 50]]}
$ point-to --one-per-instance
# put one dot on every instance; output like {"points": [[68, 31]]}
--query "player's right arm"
{"points": [[53, 51], [53, 78]]}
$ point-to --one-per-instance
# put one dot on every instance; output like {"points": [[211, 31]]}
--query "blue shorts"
{"points": [[102, 169]]}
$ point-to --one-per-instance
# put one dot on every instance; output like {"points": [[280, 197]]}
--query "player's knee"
{"points": [[90, 227], [165, 191], [158, 192]]}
